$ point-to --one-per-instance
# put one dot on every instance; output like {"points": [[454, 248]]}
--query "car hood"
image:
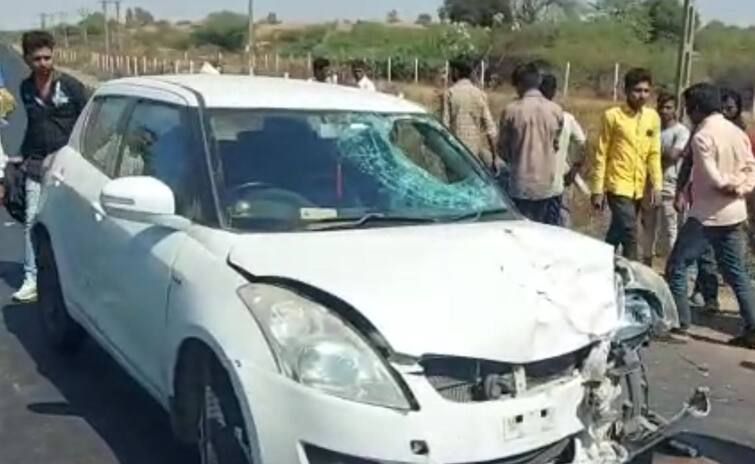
{"points": [[504, 291]]}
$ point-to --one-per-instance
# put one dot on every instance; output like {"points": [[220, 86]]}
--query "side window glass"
{"points": [[102, 139], [158, 144]]}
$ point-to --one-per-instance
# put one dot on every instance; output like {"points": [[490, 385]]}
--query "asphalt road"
{"points": [[85, 409]]}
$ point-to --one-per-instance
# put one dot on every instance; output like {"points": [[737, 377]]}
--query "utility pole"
{"points": [[62, 17], [686, 50], [118, 32], [107, 27], [43, 20], [250, 40]]}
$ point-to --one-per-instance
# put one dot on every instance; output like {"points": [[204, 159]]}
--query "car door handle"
{"points": [[57, 178], [99, 212]]}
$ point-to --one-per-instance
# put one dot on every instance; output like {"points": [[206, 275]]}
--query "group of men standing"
{"points": [[648, 169]]}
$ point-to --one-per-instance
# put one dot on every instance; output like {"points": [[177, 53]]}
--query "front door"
{"points": [[138, 258]]}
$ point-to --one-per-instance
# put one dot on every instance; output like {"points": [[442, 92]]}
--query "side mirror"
{"points": [[142, 199]]}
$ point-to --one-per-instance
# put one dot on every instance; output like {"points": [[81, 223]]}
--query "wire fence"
{"points": [[490, 74]]}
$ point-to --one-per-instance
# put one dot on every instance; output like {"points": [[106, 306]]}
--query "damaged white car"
{"points": [[305, 273]]}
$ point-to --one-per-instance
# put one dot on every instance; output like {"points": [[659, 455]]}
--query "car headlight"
{"points": [[317, 348], [635, 313]]}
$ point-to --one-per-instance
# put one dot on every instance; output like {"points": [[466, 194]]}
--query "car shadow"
{"points": [[96, 389], [11, 273], [712, 449]]}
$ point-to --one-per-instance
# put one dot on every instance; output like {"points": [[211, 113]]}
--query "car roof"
{"points": [[237, 91]]}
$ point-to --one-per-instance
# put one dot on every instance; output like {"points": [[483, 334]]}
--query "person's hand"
{"points": [[498, 166], [680, 203], [730, 190], [598, 201], [570, 176], [655, 199]]}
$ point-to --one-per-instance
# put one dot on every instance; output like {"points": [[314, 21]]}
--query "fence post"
{"points": [[165, 66], [277, 62], [177, 67], [144, 65], [390, 69], [154, 65], [416, 70], [483, 72], [127, 59], [567, 78], [446, 74], [309, 62], [191, 67], [616, 82]]}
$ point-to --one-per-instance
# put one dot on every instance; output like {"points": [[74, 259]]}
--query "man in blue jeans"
{"points": [[53, 102], [723, 173]]}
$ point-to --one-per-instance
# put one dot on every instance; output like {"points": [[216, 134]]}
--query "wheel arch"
{"points": [[196, 353]]}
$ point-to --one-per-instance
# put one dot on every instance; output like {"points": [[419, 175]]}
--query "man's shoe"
{"points": [[697, 301], [676, 336], [712, 307], [27, 293], [746, 340]]}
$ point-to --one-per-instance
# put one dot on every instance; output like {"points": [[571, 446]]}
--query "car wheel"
{"points": [[222, 434], [63, 333]]}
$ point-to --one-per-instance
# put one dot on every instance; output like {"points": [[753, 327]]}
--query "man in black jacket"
{"points": [[53, 102]]}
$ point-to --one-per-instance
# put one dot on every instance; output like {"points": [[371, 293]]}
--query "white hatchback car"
{"points": [[306, 273]]}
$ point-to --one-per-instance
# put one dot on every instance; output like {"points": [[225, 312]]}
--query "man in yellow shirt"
{"points": [[627, 157]]}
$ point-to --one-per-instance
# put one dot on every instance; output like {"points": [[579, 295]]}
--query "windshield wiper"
{"points": [[478, 215], [368, 219]]}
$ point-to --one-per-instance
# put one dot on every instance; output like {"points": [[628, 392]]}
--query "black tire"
{"points": [[222, 433], [62, 333]]}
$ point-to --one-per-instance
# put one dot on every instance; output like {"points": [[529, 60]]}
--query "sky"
{"points": [[26, 13]]}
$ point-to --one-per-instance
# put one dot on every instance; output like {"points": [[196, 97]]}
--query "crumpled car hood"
{"points": [[512, 292]]}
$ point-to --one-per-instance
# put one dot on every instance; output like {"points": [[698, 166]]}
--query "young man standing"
{"points": [[723, 173], [466, 114], [662, 220], [53, 102], [358, 69], [530, 132], [628, 154], [572, 136]]}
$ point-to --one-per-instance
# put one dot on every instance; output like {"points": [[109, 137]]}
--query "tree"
{"points": [[143, 17], [224, 29], [424, 19], [129, 17], [272, 18], [393, 17], [633, 13], [489, 12], [93, 24]]}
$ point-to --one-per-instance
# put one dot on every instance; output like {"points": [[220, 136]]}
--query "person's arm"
{"points": [[504, 137], [674, 153], [579, 140], [655, 169], [703, 151], [78, 94], [599, 161], [489, 126], [748, 184]]}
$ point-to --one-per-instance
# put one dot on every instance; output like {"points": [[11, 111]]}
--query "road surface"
{"points": [[86, 410]]}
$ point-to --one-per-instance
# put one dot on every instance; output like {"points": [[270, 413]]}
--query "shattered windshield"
{"points": [[295, 170]]}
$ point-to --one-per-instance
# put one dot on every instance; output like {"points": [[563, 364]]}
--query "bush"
{"points": [[226, 30]]}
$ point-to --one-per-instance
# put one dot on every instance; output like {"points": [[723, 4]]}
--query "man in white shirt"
{"points": [[663, 220], [572, 140], [360, 76]]}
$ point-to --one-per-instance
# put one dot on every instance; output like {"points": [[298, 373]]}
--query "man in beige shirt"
{"points": [[723, 173], [466, 113], [530, 131]]}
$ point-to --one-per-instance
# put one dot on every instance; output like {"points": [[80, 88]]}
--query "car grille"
{"points": [[465, 380], [558, 453]]}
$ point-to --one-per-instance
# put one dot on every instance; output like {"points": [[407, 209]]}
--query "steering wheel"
{"points": [[245, 195]]}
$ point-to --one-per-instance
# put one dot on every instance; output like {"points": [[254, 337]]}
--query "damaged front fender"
{"points": [[619, 422]]}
